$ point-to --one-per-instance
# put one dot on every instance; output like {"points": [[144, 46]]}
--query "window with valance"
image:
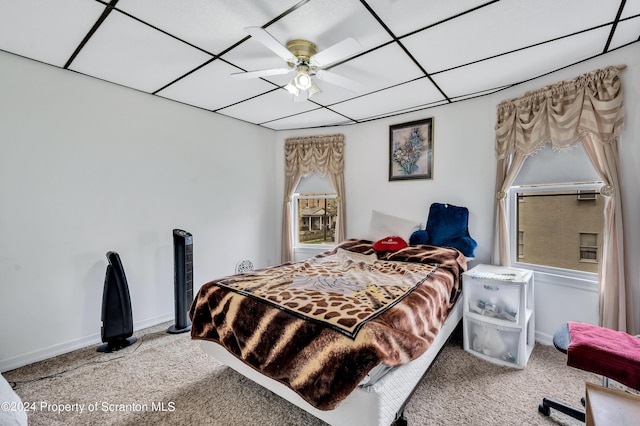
{"points": [[587, 110]]}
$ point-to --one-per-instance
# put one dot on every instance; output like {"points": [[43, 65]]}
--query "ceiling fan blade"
{"points": [[338, 51], [339, 80], [260, 73], [261, 35]]}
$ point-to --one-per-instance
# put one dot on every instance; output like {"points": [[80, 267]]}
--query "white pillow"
{"points": [[384, 225]]}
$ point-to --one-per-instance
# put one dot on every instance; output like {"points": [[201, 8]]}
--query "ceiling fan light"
{"points": [[313, 89], [302, 80], [291, 88]]}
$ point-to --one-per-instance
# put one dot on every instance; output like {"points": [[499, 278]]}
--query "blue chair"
{"points": [[447, 226]]}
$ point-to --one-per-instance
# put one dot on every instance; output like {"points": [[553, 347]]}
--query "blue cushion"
{"points": [[419, 237], [447, 226]]}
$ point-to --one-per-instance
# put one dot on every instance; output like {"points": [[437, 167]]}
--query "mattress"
{"points": [[379, 403]]}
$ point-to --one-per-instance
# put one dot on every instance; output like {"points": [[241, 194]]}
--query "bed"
{"points": [[345, 335], [12, 412]]}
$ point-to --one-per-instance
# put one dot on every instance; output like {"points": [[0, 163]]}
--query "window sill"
{"points": [[301, 252], [322, 247], [585, 281]]}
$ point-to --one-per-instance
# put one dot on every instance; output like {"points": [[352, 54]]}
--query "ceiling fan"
{"points": [[306, 62]]}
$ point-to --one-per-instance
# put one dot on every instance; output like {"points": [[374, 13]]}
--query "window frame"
{"points": [[295, 220], [563, 276]]}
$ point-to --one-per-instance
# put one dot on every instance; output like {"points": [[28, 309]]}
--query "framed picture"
{"points": [[411, 150]]}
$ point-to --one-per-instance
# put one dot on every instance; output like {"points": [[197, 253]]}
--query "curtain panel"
{"points": [[323, 155], [588, 110]]}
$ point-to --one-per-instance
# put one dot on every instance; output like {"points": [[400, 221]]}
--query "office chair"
{"points": [[613, 354]]}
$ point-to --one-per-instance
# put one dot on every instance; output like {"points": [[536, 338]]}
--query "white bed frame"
{"points": [[379, 404]]}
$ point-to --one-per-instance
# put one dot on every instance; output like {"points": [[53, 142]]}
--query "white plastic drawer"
{"points": [[498, 342], [493, 299]]}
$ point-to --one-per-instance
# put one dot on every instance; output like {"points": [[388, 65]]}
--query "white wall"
{"points": [[464, 174], [461, 164], [87, 167]]}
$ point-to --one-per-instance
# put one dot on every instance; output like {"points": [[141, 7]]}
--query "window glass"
{"points": [[563, 227], [315, 211], [556, 213], [316, 216]]}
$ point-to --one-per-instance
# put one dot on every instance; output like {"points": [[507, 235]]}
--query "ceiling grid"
{"points": [[416, 54]]}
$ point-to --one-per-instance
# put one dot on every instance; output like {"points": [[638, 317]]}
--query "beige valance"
{"points": [[561, 113], [322, 154]]}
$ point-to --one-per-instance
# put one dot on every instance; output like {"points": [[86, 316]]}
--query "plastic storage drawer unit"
{"points": [[499, 322]]}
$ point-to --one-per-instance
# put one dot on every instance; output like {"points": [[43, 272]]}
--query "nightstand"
{"points": [[499, 318]]}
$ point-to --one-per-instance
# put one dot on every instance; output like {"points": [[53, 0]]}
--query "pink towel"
{"points": [[613, 354]]}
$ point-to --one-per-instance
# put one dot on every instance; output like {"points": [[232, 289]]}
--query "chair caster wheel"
{"points": [[401, 421], [544, 410]]}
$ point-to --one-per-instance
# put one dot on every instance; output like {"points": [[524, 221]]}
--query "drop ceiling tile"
{"points": [[324, 23], [631, 8], [503, 27], [404, 97], [127, 52], [47, 31], [268, 107], [406, 110], [522, 65], [316, 118], [478, 94], [626, 32], [211, 25], [402, 17], [211, 87]]}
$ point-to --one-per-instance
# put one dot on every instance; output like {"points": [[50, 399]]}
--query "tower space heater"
{"points": [[183, 280], [117, 319]]}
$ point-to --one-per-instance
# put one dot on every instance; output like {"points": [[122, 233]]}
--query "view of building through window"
{"points": [[316, 218], [562, 229]]}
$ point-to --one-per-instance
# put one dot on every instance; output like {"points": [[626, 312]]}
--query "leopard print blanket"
{"points": [[343, 290], [317, 328]]}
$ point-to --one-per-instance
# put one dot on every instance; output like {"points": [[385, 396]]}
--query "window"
{"points": [[555, 202], [562, 231], [588, 247], [315, 212], [315, 216]]}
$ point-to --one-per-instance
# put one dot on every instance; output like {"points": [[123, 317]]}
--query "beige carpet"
{"points": [[167, 379]]}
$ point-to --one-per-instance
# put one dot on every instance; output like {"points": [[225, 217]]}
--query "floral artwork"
{"points": [[411, 150]]}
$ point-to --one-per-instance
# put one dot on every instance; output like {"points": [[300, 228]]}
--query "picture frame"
{"points": [[411, 150]]}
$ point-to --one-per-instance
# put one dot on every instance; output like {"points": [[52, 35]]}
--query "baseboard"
{"points": [[72, 345], [544, 338], [150, 322]]}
